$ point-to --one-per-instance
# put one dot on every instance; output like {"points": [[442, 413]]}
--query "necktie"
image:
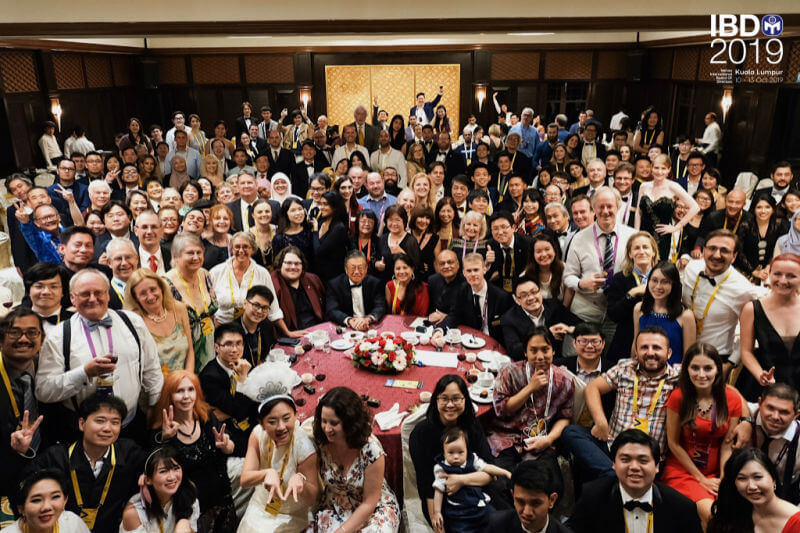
{"points": [[608, 255], [633, 504], [274, 155], [711, 280], [561, 234], [94, 324], [476, 308], [361, 135], [590, 193], [506, 262], [233, 384], [153, 263], [29, 404]]}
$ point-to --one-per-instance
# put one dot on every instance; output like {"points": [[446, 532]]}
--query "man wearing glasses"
{"points": [[65, 185], [130, 182], [43, 233], [257, 329]]}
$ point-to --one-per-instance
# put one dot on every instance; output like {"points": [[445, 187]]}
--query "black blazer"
{"points": [[620, 310], [236, 207], [217, 389], [498, 302], [599, 147], [571, 364], [166, 255], [241, 125], [442, 294], [585, 190], [453, 162], [300, 178], [508, 522], [599, 510], [339, 304], [102, 240], [517, 326], [523, 165], [370, 136], [523, 250], [284, 163]]}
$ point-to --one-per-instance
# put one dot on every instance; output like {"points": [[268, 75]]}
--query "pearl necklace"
{"points": [[158, 318]]}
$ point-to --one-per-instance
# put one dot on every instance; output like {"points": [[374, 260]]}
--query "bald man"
{"points": [[733, 217]]}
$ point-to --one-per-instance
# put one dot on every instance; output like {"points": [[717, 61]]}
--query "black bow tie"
{"points": [[354, 286], [711, 280], [633, 504], [561, 234], [625, 199], [53, 319]]}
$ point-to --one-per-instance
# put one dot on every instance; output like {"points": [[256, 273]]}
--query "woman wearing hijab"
{"points": [[281, 187], [789, 243], [179, 174]]}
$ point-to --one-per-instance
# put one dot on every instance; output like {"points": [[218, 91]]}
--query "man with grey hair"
{"points": [[359, 177], [355, 299], [596, 172], [366, 134], [99, 194], [557, 220], [528, 133], [99, 351], [123, 260], [152, 254], [595, 254]]}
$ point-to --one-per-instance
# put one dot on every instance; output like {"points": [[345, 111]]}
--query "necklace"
{"points": [[703, 411], [189, 435], [158, 318]]}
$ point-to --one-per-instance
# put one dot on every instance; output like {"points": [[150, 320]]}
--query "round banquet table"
{"points": [[339, 371]]}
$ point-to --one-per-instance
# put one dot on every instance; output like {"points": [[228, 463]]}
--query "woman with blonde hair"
{"points": [[422, 187], [148, 295], [495, 141], [471, 236], [212, 170], [415, 161]]}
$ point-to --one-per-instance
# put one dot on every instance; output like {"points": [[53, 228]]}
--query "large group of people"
{"points": [[651, 316]]}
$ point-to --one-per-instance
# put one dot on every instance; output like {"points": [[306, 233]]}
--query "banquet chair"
{"points": [[413, 520]]}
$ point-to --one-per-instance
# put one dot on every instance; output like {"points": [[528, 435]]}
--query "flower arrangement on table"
{"points": [[386, 354]]}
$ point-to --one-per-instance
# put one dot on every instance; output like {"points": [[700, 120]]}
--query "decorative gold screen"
{"points": [[347, 86]]}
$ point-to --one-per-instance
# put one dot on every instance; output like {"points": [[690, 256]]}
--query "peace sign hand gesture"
{"points": [[21, 439], [293, 487], [65, 193], [21, 213], [272, 481], [111, 177], [169, 427], [222, 440]]}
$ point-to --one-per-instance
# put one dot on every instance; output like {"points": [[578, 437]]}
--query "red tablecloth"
{"points": [[339, 371]]}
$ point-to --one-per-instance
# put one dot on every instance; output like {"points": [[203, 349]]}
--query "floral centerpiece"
{"points": [[385, 354]]}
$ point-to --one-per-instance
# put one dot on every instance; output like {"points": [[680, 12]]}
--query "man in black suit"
{"points": [[520, 163], [480, 304], [629, 192], [509, 253], [19, 185], [444, 285], [123, 260], [152, 253], [244, 122], [220, 379], [530, 312], [590, 148], [428, 143], [280, 159], [534, 494], [596, 172], [320, 184], [733, 217], [303, 170], [355, 299], [454, 163], [366, 134], [781, 177], [243, 207], [324, 157], [259, 335], [260, 144], [117, 218], [614, 504]]}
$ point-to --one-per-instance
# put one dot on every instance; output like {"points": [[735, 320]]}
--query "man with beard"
{"points": [[646, 380], [386, 156], [390, 178]]}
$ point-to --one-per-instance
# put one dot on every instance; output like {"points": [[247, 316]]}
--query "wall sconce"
{"points": [[480, 95], [55, 110], [726, 102], [305, 96]]}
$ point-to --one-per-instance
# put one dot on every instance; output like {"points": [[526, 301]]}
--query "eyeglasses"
{"points": [[232, 344], [47, 218], [526, 295], [258, 307], [16, 333], [455, 400], [589, 342]]}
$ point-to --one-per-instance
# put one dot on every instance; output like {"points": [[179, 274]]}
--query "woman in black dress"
{"points": [[331, 237], [395, 240], [759, 244], [427, 240], [368, 242], [294, 229]]}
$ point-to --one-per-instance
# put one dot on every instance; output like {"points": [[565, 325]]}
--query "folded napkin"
{"points": [[391, 418]]}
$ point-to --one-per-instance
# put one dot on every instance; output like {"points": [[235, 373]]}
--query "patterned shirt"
{"points": [[621, 377], [511, 430]]}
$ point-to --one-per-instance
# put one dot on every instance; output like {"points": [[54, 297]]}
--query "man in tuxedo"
{"points": [[259, 334], [280, 159], [428, 144], [242, 208], [557, 220], [535, 494], [424, 110], [256, 141], [45, 289], [303, 170], [244, 122], [123, 260], [319, 185], [220, 379], [628, 191], [591, 148], [324, 157], [531, 311], [781, 177], [366, 134], [733, 217], [689, 180], [488, 301], [355, 299], [454, 163], [443, 285], [633, 501], [152, 253], [511, 252], [596, 172]]}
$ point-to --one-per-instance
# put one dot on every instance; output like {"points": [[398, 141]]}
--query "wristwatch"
{"points": [[746, 419]]}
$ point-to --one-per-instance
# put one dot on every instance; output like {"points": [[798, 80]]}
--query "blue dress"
{"points": [[673, 329]]}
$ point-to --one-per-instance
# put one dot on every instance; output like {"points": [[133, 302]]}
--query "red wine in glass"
{"points": [[472, 378], [462, 356]]}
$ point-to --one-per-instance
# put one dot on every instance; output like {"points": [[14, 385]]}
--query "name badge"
{"points": [[641, 424], [469, 162], [507, 285], [238, 312], [89, 517], [538, 429], [700, 455], [294, 145], [274, 507], [207, 326]]}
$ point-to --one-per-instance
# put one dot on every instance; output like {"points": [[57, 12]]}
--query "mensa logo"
{"points": [[745, 26], [772, 25]]}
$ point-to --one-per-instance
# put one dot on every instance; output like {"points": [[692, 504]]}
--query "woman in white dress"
{"points": [[281, 464], [165, 504], [40, 501]]}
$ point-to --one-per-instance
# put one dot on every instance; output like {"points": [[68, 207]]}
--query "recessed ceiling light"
{"points": [[529, 33]]}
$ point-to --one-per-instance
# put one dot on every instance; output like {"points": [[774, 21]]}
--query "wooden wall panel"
{"points": [[68, 69], [611, 64], [18, 72], [121, 68], [515, 66], [428, 78], [212, 70], [98, 71], [568, 65], [793, 68], [659, 63], [347, 87], [684, 64], [172, 70], [269, 68]]}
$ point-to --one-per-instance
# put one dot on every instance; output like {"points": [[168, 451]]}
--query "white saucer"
{"points": [[342, 344], [472, 342], [487, 356], [475, 394]]}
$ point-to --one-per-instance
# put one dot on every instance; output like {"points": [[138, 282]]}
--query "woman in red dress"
{"points": [[406, 294], [700, 413]]}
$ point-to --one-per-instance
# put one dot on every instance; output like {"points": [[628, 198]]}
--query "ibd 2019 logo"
{"points": [[746, 25], [728, 34]]}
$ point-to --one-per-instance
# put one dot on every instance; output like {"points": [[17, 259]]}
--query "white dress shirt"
{"points": [[719, 326], [54, 385], [393, 158], [583, 260], [221, 278], [344, 152], [357, 295], [145, 260], [712, 138], [422, 118], [637, 519], [482, 295]]}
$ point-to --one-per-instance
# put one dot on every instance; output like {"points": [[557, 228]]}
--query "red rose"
{"points": [[382, 343], [391, 356]]}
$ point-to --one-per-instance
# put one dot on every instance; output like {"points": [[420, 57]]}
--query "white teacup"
{"points": [[485, 380], [277, 354], [471, 357], [307, 378], [424, 396], [424, 338], [372, 333]]}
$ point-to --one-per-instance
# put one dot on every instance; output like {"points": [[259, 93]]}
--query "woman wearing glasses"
{"points": [[450, 407]]}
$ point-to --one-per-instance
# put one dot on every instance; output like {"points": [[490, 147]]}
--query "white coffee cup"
{"points": [[277, 354], [425, 396], [471, 357], [372, 333], [485, 380], [424, 338], [307, 378]]}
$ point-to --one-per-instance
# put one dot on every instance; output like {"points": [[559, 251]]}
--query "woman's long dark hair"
{"points": [[184, 497], [712, 207], [399, 138], [437, 225], [767, 197], [141, 138], [353, 207], [283, 216], [687, 411], [364, 163], [467, 418], [353, 413], [556, 269], [535, 196], [336, 202], [440, 123], [674, 303], [414, 285], [732, 512]]}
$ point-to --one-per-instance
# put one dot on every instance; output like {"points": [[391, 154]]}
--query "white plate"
{"points": [[475, 394], [471, 341], [342, 344], [487, 356], [354, 336]]}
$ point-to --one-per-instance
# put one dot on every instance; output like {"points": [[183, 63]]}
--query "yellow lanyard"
{"points": [[382, 160], [677, 246], [119, 294], [702, 319], [10, 391], [649, 523], [637, 278], [230, 284], [736, 227], [394, 302], [652, 137], [653, 402], [274, 506], [76, 488], [514, 158], [189, 292]]}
